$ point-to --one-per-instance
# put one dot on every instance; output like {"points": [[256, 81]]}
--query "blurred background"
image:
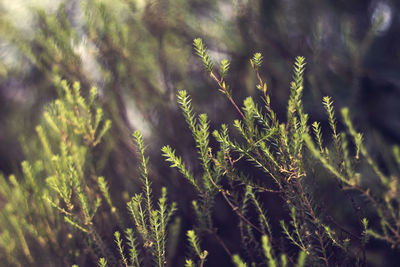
{"points": [[139, 53]]}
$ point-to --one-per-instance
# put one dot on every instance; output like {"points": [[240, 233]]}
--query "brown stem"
{"points": [[235, 208], [220, 241], [223, 89], [311, 211], [357, 210], [234, 104]]}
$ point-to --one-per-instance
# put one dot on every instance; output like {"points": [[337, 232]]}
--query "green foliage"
{"points": [[280, 151], [202, 52], [256, 61], [267, 251], [59, 198], [195, 245], [118, 241], [238, 261], [151, 223], [224, 68], [60, 184], [64, 193], [102, 262], [133, 252], [301, 261]]}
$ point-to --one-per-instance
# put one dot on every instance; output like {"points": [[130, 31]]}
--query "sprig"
{"points": [[202, 52]]}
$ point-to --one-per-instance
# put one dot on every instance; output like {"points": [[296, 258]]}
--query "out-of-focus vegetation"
{"points": [[139, 54]]}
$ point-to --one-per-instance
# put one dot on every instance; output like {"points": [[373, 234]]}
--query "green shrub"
{"points": [[60, 204]]}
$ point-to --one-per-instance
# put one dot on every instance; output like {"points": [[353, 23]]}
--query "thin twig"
{"points": [[225, 91]]}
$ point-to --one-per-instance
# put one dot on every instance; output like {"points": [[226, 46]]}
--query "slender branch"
{"points": [[220, 241], [225, 91], [311, 211], [235, 208]]}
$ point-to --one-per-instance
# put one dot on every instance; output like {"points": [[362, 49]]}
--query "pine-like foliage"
{"points": [[60, 192], [282, 151], [293, 191], [55, 203], [61, 205]]}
